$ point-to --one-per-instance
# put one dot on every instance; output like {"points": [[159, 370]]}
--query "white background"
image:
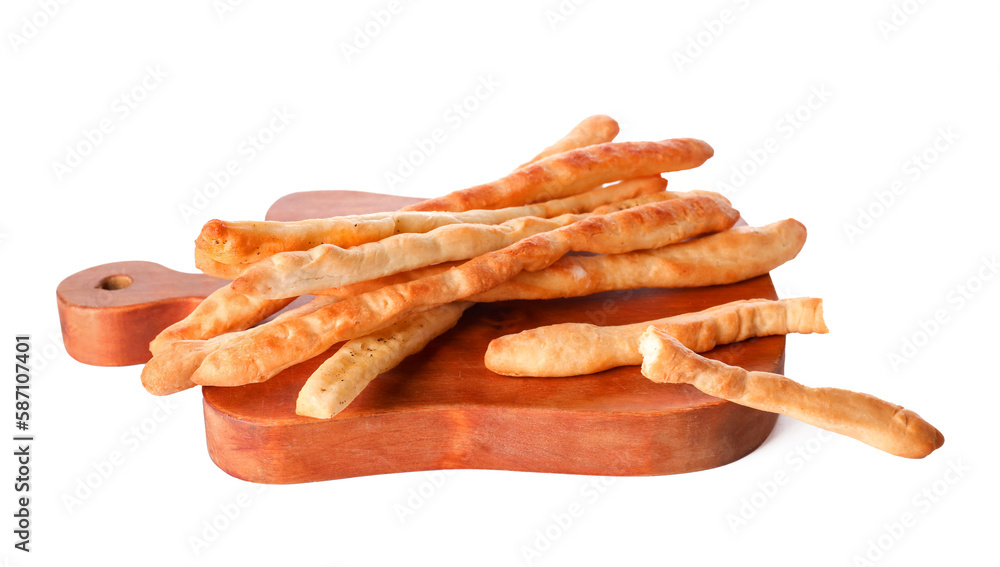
{"points": [[889, 92]]}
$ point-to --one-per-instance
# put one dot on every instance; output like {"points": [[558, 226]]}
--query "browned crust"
{"points": [[597, 129], [224, 248], [573, 349], [573, 172], [730, 256], [878, 423], [273, 347], [223, 311]]}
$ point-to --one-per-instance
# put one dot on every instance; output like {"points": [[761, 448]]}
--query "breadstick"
{"points": [[344, 375], [881, 424], [222, 243], [573, 349], [726, 257], [290, 274], [224, 310], [573, 172], [274, 347], [730, 256], [597, 129], [216, 269], [170, 369]]}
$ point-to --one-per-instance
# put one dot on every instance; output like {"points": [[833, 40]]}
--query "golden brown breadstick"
{"points": [[881, 424], [271, 348], [222, 246], [224, 310], [573, 349], [290, 274], [170, 370], [597, 129], [573, 172], [344, 375], [211, 267], [725, 257]]}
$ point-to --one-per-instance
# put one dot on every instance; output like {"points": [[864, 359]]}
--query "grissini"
{"points": [[575, 171], [273, 347], [733, 255], [573, 349], [222, 244], [224, 310], [725, 257], [344, 375], [722, 258], [290, 274], [230, 310], [597, 129], [245, 244], [170, 369], [868, 419]]}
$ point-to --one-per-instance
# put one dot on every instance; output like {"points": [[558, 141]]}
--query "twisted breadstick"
{"points": [[881, 424]]}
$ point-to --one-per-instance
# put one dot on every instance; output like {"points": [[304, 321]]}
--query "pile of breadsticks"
{"points": [[389, 283]]}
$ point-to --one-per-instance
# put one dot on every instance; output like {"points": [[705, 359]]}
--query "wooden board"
{"points": [[442, 408]]}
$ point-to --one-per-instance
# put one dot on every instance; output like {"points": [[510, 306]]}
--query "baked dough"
{"points": [[573, 349], [868, 419]]}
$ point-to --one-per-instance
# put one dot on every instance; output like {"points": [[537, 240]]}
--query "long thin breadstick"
{"points": [[573, 349], [240, 242], [730, 256], [726, 257], [575, 171], [210, 266], [597, 129], [274, 347], [733, 255], [169, 371], [290, 274], [224, 310], [868, 419], [344, 375]]}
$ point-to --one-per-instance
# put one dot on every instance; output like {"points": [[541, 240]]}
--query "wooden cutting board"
{"points": [[441, 408]]}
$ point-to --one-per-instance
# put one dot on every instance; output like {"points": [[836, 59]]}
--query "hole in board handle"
{"points": [[116, 282]]}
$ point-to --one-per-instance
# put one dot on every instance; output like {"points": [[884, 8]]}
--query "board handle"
{"points": [[110, 313]]}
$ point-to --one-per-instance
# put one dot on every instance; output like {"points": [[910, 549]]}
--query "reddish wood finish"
{"points": [[110, 313], [443, 409]]}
